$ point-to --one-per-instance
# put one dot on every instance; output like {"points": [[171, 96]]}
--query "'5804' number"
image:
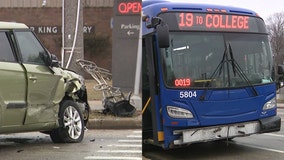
{"points": [[187, 94]]}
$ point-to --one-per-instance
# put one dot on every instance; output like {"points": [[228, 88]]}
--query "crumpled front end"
{"points": [[72, 86], [73, 81]]}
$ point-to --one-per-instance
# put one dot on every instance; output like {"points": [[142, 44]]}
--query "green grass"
{"points": [[92, 94]]}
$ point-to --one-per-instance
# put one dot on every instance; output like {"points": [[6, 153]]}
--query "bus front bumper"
{"points": [[229, 131]]}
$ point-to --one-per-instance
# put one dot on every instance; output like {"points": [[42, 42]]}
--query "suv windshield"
{"points": [[202, 59]]}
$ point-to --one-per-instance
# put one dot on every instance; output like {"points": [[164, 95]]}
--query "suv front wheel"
{"points": [[71, 124]]}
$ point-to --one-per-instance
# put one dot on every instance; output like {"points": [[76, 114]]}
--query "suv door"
{"points": [[42, 83], [12, 85]]}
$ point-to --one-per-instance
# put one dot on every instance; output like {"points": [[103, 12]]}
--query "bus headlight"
{"points": [[270, 104], [176, 112]]}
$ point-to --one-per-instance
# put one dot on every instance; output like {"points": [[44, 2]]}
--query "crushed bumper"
{"points": [[271, 124], [212, 133]]}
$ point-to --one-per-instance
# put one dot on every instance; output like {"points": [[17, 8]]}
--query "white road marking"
{"points": [[126, 145], [120, 151], [113, 158], [274, 135], [257, 147], [132, 146], [134, 136], [280, 113], [140, 132], [130, 140]]}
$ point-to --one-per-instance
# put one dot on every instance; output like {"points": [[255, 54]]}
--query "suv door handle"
{"points": [[33, 78]]}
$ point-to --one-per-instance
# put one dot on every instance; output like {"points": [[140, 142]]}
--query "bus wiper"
{"points": [[219, 68], [235, 67]]}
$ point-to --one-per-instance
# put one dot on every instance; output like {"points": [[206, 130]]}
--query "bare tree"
{"points": [[275, 28]]}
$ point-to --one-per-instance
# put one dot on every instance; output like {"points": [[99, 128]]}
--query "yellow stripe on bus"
{"points": [[146, 105], [161, 136]]}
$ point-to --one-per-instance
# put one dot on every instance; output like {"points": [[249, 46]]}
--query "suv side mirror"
{"points": [[54, 61], [50, 59], [46, 57]]}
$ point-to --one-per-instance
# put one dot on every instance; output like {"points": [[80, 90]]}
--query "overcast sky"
{"points": [[264, 8]]}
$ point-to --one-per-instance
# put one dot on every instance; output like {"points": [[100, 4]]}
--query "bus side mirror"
{"points": [[161, 28], [163, 35], [280, 71]]}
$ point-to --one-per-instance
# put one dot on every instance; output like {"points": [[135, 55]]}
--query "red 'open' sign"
{"points": [[129, 8]]}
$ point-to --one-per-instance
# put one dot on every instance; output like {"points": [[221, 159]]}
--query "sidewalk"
{"points": [[98, 120], [280, 102], [280, 105]]}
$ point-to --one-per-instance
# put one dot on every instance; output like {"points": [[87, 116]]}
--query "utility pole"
{"points": [[72, 30], [136, 99]]}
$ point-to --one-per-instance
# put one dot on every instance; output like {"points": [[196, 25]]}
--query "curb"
{"points": [[100, 121], [116, 123]]}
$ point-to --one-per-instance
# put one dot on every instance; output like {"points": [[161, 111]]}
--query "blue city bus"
{"points": [[207, 74]]}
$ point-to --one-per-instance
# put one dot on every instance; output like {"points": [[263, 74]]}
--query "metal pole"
{"points": [[75, 34], [62, 29], [136, 99]]}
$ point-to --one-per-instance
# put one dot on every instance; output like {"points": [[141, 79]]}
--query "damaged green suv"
{"points": [[35, 93]]}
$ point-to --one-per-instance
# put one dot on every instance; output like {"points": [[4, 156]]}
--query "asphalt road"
{"points": [[97, 144], [269, 146], [126, 145]]}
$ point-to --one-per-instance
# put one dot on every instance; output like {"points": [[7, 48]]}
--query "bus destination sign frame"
{"points": [[195, 21]]}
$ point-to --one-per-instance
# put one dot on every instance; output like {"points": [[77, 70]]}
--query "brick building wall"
{"points": [[51, 3], [97, 41]]}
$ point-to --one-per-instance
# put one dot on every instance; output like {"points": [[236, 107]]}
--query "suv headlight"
{"points": [[176, 112], [82, 80], [270, 104]]}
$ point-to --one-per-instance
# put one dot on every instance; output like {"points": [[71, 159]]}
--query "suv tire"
{"points": [[71, 124]]}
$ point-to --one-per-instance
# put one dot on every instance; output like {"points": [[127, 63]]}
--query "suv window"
{"points": [[6, 53], [30, 48]]}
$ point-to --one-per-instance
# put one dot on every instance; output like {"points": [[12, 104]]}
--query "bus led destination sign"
{"points": [[213, 21]]}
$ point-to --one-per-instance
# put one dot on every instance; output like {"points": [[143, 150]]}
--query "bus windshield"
{"points": [[202, 59]]}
